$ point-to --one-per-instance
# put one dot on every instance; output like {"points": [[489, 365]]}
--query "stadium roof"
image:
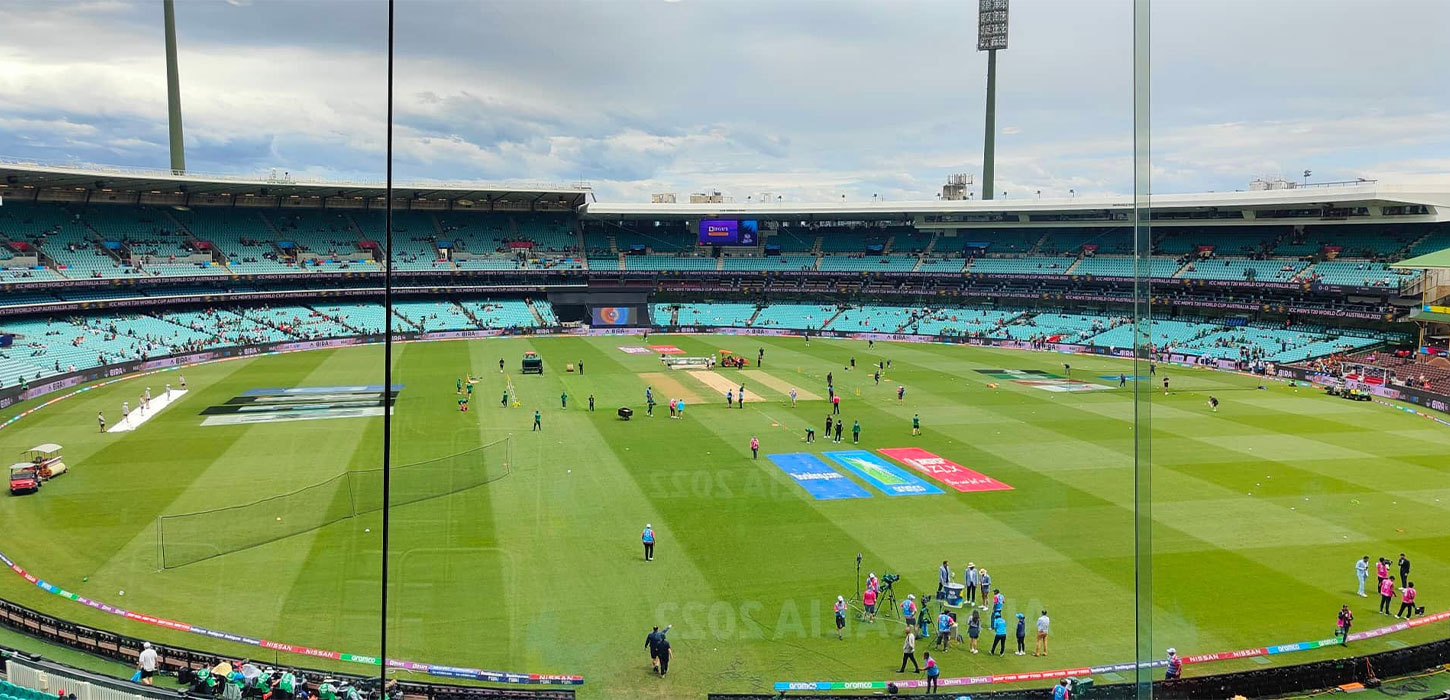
{"points": [[1368, 194], [1438, 260], [94, 177], [1316, 204]]}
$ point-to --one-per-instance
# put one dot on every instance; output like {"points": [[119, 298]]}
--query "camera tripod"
{"points": [[889, 592]]}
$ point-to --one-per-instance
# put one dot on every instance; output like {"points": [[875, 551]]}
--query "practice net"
{"points": [[187, 538]]}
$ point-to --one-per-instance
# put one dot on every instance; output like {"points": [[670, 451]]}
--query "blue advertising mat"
{"points": [[817, 477], [891, 479]]}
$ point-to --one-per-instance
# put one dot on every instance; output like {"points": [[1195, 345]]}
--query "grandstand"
{"points": [[1020, 266], [1276, 270], [1116, 266], [867, 263]]}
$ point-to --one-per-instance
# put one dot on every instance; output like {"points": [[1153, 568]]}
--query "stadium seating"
{"points": [[29, 275], [956, 321], [661, 241], [439, 315], [868, 263], [1164, 333], [1276, 345], [545, 312], [872, 319], [367, 319], [502, 314], [1008, 241], [1357, 274], [45, 346], [1438, 239], [499, 263], [551, 233], [941, 266], [668, 262], [143, 230], [794, 316], [1359, 240], [1062, 328], [840, 239], [242, 236], [724, 315], [1124, 266], [1415, 370], [1020, 266], [1111, 241], [905, 239], [475, 232], [1224, 240], [793, 239], [782, 263], [1278, 270]]}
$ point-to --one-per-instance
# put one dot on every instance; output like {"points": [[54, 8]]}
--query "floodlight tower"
{"points": [[991, 37], [173, 91]]}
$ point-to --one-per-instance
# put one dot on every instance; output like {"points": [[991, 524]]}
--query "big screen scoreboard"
{"points": [[729, 232]]}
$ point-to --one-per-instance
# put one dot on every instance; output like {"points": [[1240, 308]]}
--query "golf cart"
{"points": [[41, 464], [23, 479]]}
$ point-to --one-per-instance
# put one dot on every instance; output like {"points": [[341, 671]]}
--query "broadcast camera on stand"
{"points": [[888, 589]]}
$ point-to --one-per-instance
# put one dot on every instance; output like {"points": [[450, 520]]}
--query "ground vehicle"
{"points": [[41, 463], [533, 364], [23, 479]]}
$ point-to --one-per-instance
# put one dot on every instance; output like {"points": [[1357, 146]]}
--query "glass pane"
{"points": [[1288, 214], [767, 216], [188, 328]]}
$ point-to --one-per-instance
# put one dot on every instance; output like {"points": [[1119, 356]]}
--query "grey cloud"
{"points": [[806, 98]]}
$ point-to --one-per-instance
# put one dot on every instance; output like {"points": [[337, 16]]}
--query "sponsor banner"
{"points": [[666, 350], [1060, 385], [889, 478], [289, 404], [818, 478], [459, 335], [634, 350], [292, 416], [431, 669], [288, 391], [944, 470], [782, 686], [1018, 373]]}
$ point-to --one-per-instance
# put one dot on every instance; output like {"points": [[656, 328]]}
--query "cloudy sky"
{"points": [[807, 99]]}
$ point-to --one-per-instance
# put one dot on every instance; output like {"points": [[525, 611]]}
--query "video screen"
{"points": [[611, 315], [729, 232]]}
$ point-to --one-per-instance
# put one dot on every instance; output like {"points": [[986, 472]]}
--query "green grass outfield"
{"points": [[542, 571]]}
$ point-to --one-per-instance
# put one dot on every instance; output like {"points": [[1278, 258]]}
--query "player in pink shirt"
{"points": [[754, 447], [1387, 593], [869, 598]]}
